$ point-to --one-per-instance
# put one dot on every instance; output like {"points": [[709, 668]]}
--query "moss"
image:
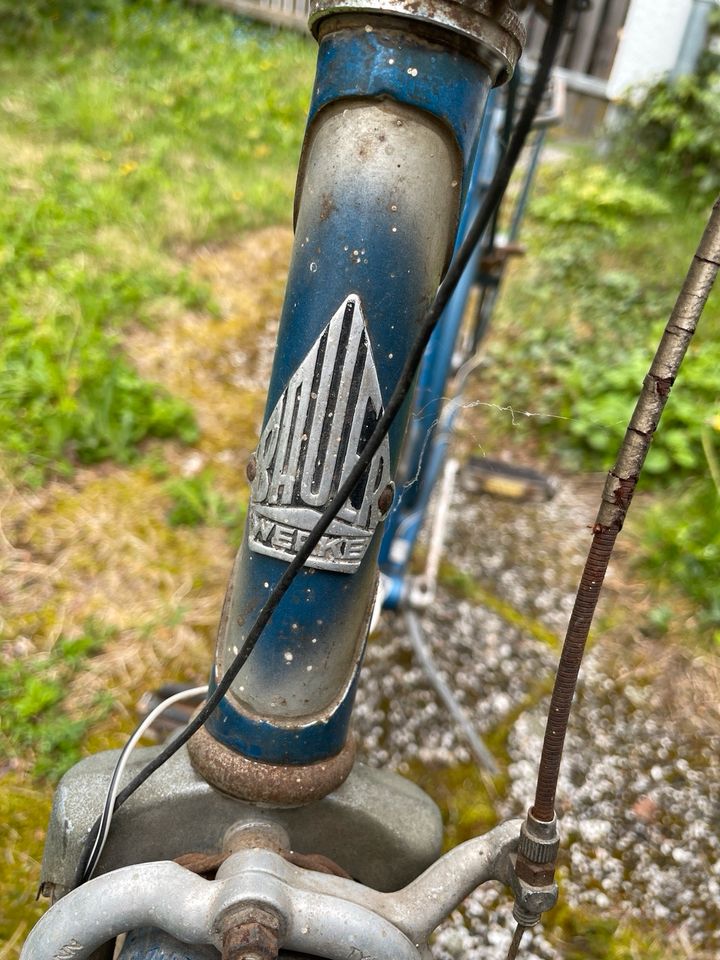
{"points": [[463, 585], [583, 935], [24, 812], [464, 795]]}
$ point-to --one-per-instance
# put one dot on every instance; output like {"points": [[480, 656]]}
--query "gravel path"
{"points": [[640, 792]]}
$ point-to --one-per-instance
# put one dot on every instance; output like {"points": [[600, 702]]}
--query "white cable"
{"points": [[114, 787]]}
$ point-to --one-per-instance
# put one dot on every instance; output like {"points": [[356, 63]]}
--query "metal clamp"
{"points": [[312, 913]]}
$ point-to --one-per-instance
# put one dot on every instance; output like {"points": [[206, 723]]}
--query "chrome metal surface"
{"points": [[311, 442], [539, 841], [494, 26]]}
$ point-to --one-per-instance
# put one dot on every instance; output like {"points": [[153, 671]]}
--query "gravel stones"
{"points": [[639, 794]]}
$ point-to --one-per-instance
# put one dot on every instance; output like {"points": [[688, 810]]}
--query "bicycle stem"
{"points": [[391, 137]]}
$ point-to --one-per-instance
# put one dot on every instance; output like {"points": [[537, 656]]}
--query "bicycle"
{"points": [[319, 494]]}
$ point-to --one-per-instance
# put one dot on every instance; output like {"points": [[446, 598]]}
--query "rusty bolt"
{"points": [[536, 874], [253, 935], [251, 468], [266, 834], [386, 498]]}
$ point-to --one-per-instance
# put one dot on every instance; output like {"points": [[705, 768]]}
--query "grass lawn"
{"points": [[130, 133]]}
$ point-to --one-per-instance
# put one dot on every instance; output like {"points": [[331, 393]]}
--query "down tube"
{"points": [[392, 130]]}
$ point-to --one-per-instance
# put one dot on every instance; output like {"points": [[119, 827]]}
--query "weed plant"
{"points": [[195, 501], [672, 130]]}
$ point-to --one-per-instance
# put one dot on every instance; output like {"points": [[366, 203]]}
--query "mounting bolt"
{"points": [[246, 834], [251, 468], [252, 933]]}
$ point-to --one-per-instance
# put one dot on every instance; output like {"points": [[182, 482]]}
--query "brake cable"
{"points": [[492, 198], [537, 853]]}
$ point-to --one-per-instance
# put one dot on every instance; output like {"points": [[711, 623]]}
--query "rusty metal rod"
{"points": [[618, 493]]}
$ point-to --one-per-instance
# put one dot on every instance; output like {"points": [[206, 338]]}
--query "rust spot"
{"points": [[254, 933], [287, 785], [536, 874], [624, 491], [498, 255], [386, 498], [207, 864], [317, 862], [327, 206], [203, 864], [663, 386]]}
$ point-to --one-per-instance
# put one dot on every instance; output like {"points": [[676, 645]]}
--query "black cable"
{"points": [[508, 124], [492, 198]]}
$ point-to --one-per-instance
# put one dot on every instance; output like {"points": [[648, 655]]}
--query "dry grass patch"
{"points": [[221, 365]]}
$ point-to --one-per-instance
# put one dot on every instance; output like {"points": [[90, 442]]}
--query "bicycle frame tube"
{"points": [[420, 465], [391, 137], [434, 412]]}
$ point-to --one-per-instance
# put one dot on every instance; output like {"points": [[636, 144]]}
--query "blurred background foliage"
{"points": [[123, 147], [673, 130], [138, 142], [580, 320]]}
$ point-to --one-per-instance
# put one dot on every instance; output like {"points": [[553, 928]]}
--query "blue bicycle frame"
{"points": [[427, 440], [434, 412], [399, 135]]}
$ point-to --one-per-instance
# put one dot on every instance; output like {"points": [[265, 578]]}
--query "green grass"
{"points": [[129, 134], [608, 258], [37, 717], [195, 500], [682, 547]]}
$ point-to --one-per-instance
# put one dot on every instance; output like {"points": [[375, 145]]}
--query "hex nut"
{"points": [[252, 934]]}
